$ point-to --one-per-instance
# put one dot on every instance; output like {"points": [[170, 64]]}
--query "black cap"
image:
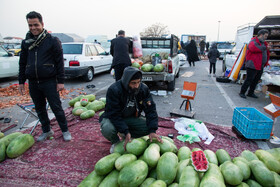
{"points": [[137, 75]]}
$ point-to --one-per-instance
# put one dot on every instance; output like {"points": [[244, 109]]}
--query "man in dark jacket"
{"points": [[257, 57], [41, 62], [212, 56], [120, 51], [125, 100]]}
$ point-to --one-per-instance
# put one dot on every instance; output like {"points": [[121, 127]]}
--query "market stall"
{"points": [[58, 163]]}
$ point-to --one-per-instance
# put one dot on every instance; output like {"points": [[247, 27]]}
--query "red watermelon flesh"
{"points": [[199, 161]]}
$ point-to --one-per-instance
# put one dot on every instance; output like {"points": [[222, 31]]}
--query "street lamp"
{"points": [[218, 30]]}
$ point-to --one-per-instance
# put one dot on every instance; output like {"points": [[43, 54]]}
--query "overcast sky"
{"points": [[106, 17]]}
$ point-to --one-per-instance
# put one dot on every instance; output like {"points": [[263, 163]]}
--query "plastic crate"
{"points": [[251, 123]]}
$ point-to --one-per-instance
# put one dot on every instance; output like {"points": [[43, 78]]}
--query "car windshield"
{"points": [[72, 48], [224, 46]]}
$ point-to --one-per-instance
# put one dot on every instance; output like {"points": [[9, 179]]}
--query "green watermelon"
{"points": [[136, 65], [159, 68], [147, 67]]}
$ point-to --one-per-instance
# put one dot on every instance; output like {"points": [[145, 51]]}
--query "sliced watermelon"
{"points": [[199, 161]]}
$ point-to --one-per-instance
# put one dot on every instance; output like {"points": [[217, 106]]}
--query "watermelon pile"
{"points": [[85, 106], [146, 163], [14, 145]]}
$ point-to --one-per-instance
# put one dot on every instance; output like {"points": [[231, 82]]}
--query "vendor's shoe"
{"points": [[214, 75], [44, 136], [67, 136], [242, 95], [209, 75], [113, 147], [252, 95]]}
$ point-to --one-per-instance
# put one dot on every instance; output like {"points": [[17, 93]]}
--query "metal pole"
{"points": [[218, 30]]}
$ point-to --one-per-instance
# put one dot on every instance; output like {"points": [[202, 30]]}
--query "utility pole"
{"points": [[218, 30]]}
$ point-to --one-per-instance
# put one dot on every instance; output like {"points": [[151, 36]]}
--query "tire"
{"points": [[171, 85], [223, 79], [89, 75]]}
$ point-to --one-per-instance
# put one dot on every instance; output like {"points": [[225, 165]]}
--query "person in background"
{"points": [[191, 50], [125, 100], [202, 45], [120, 51], [41, 62], [212, 56], [207, 46], [257, 56]]}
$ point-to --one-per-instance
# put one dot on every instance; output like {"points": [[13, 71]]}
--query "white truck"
{"points": [[243, 36], [169, 46]]}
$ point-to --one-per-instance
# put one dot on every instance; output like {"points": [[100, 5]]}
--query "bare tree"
{"points": [[155, 30]]}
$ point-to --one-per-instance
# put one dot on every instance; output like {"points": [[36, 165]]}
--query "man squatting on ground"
{"points": [[125, 100], [41, 62]]}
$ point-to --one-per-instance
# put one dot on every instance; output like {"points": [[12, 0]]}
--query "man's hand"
{"points": [[127, 139], [60, 87], [21, 89], [154, 135]]}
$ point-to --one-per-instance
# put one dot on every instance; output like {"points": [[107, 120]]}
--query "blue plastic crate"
{"points": [[251, 123]]}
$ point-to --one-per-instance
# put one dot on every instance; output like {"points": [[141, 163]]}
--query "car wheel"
{"points": [[89, 75], [171, 85]]}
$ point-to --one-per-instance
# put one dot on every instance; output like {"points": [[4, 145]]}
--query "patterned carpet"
{"points": [[58, 163]]}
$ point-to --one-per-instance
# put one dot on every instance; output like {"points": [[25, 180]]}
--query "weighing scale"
{"points": [[189, 92]]}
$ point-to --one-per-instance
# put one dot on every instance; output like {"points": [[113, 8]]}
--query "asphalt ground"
{"points": [[214, 101]]}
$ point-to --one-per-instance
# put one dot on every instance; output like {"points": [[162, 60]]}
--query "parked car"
{"points": [[182, 58], [224, 48], [9, 64], [85, 60], [16, 50]]}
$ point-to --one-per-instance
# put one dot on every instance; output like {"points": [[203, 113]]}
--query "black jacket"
{"points": [[117, 99], [213, 54], [43, 62], [120, 51], [192, 51]]}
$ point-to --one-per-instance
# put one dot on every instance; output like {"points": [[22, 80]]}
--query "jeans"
{"points": [[212, 66], [41, 91], [137, 128], [252, 78]]}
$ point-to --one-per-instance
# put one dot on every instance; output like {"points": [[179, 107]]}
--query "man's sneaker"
{"points": [[66, 136], [253, 96], [209, 75], [44, 136], [214, 75], [242, 95]]}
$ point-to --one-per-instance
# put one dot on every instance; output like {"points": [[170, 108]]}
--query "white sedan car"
{"points": [[85, 60], [9, 64]]}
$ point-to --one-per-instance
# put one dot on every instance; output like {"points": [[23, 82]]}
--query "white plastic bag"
{"points": [[182, 125]]}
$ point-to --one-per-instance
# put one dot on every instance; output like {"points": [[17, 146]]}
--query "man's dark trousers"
{"points": [[119, 70], [252, 78], [39, 91]]}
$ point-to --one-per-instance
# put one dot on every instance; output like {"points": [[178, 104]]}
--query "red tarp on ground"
{"points": [[59, 163]]}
